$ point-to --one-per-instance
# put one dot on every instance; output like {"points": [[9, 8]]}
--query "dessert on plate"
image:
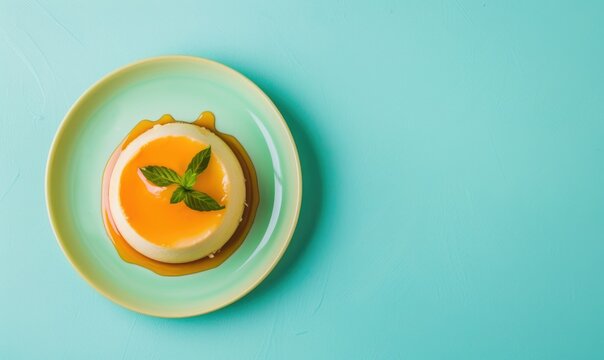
{"points": [[177, 192]]}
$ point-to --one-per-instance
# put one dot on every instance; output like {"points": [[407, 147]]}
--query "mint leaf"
{"points": [[200, 201], [200, 161], [178, 195], [160, 175], [196, 200], [188, 180]]}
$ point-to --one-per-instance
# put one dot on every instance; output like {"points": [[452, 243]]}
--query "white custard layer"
{"points": [[202, 244]]}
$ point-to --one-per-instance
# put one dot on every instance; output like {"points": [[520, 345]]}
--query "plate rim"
{"points": [[51, 159]]}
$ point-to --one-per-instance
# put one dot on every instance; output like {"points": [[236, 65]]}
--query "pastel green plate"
{"points": [[184, 87]]}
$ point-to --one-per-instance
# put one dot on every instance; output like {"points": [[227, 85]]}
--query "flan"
{"points": [[143, 212]]}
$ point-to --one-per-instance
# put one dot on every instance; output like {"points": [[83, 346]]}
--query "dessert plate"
{"points": [[183, 87]]}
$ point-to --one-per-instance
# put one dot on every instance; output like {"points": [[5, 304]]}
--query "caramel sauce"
{"points": [[130, 255]]}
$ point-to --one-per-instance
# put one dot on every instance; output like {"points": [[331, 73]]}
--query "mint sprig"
{"points": [[196, 200]]}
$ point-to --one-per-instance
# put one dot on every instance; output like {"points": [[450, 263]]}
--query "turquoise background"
{"points": [[452, 159]]}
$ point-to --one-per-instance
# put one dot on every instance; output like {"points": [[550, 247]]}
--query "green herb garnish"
{"points": [[196, 200]]}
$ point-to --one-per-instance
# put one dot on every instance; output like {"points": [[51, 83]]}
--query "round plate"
{"points": [[183, 87]]}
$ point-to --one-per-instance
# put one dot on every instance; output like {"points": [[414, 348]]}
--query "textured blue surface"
{"points": [[452, 156]]}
